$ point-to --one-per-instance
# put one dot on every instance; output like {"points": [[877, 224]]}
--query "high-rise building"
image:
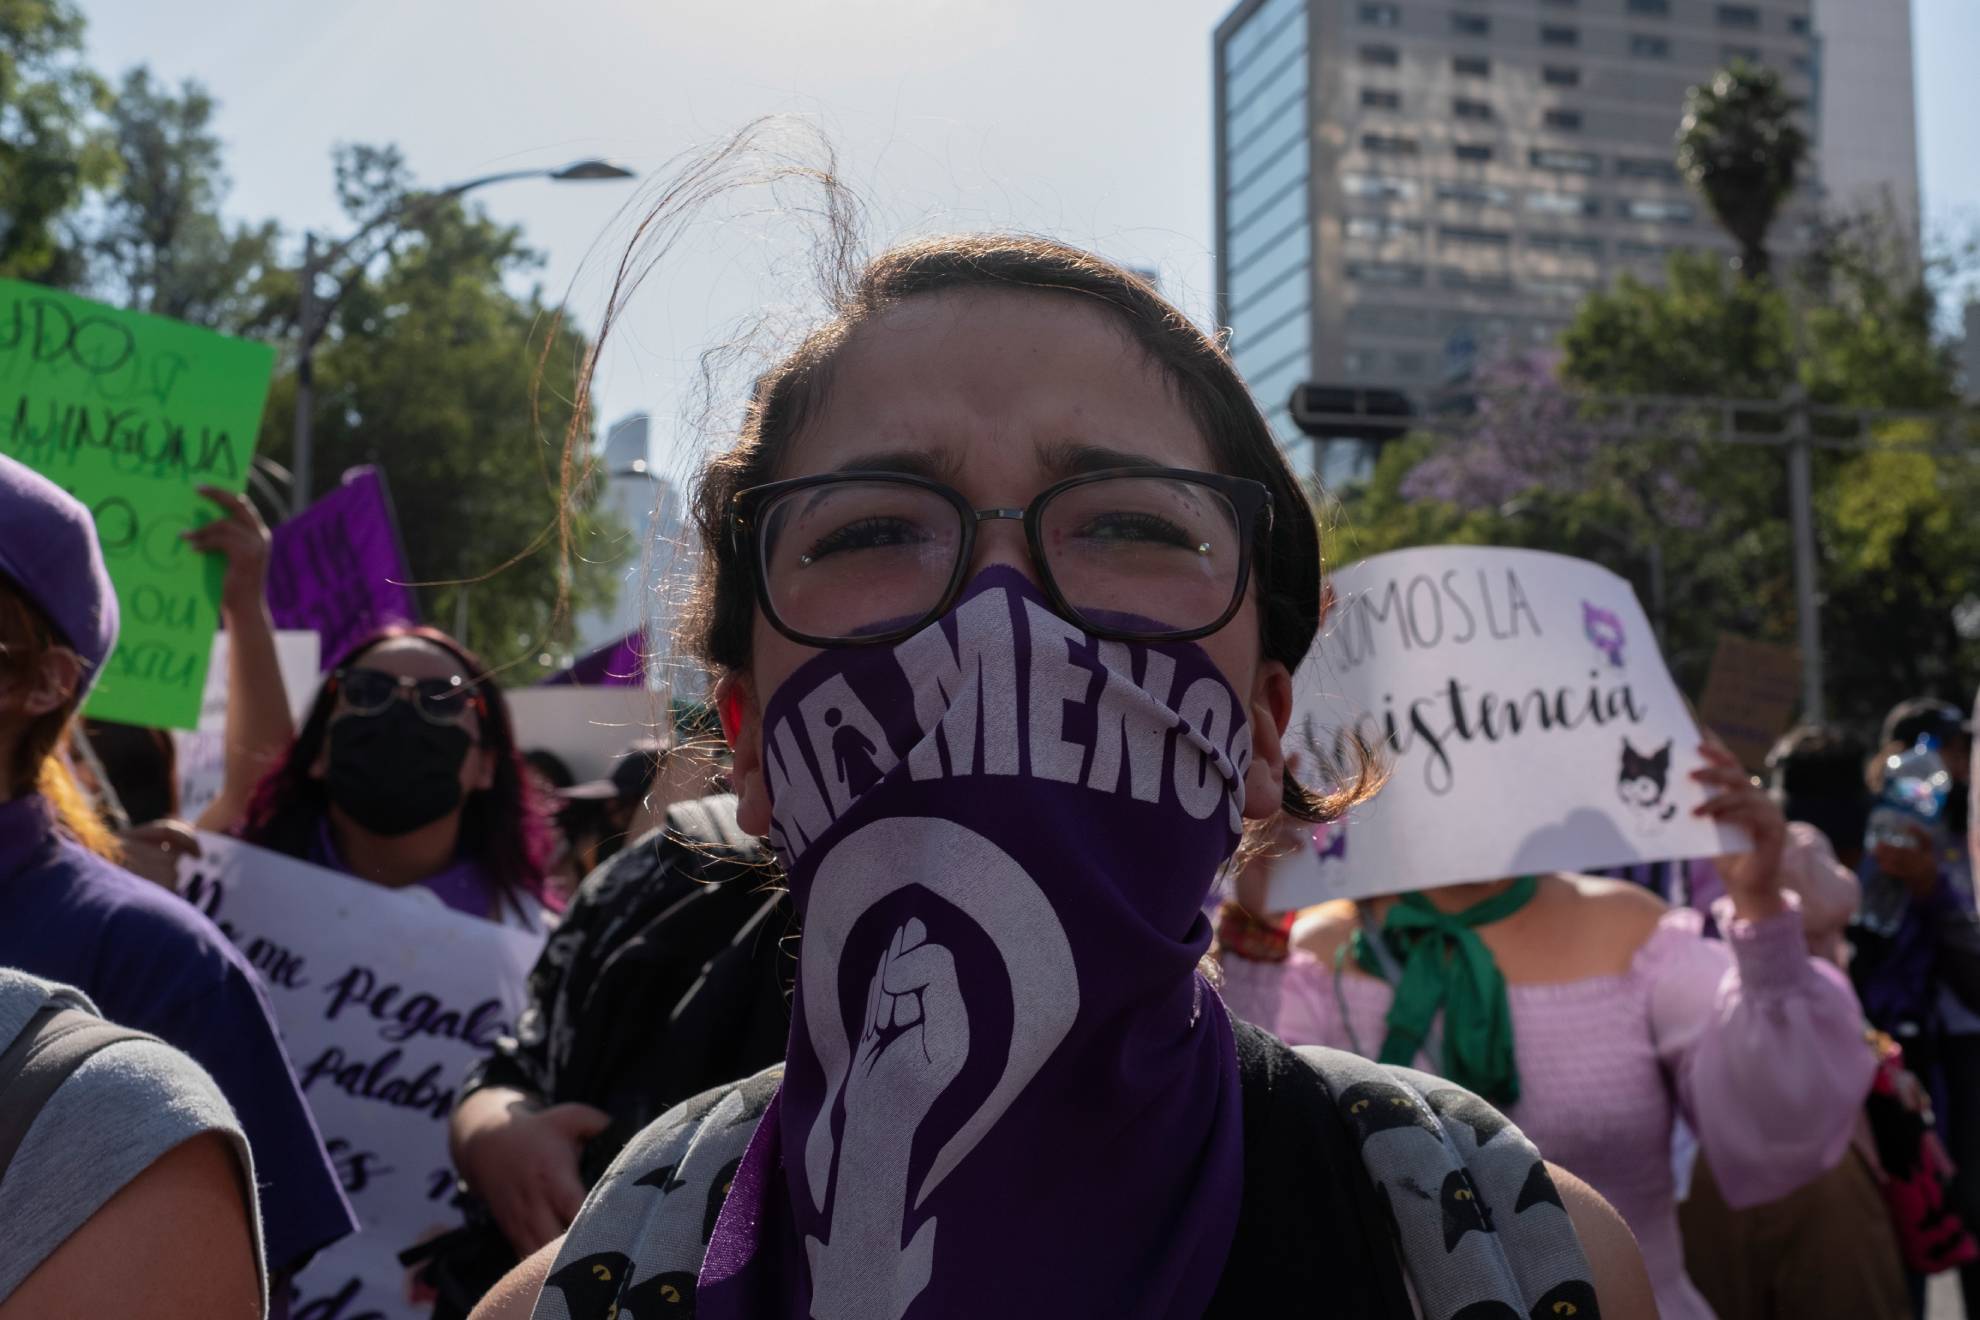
{"points": [[647, 552], [1403, 185], [1265, 190], [1868, 130]]}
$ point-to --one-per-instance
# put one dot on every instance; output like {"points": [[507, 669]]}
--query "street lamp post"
{"points": [[1807, 594], [313, 314]]}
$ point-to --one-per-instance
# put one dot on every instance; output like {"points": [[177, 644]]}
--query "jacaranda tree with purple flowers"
{"points": [[1699, 523]]}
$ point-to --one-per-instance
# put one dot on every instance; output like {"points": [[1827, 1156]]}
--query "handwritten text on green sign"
{"points": [[131, 414]]}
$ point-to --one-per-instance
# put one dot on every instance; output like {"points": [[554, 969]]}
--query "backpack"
{"points": [[1356, 1174], [697, 994]]}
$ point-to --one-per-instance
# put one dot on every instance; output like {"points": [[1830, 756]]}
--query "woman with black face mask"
{"points": [[406, 773]]}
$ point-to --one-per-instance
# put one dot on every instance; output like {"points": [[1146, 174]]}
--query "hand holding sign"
{"points": [[1753, 878], [240, 536], [153, 850]]}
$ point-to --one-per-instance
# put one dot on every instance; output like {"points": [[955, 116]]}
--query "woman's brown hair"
{"points": [[718, 618], [26, 638]]}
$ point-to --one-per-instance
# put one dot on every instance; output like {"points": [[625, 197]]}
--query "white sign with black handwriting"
{"points": [[384, 999], [1524, 714]]}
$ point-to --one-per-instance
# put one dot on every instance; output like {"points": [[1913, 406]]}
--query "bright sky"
{"points": [[1083, 120]]}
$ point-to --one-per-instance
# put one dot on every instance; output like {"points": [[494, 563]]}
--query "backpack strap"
{"points": [[645, 1228], [1481, 1228], [56, 1041], [1310, 1225]]}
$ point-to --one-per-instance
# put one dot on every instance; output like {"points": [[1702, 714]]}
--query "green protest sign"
{"points": [[132, 414]]}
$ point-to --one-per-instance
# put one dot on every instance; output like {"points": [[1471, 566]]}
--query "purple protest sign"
{"points": [[336, 568], [616, 664]]}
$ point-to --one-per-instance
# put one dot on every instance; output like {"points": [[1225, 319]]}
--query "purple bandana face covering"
{"points": [[1007, 1091]]}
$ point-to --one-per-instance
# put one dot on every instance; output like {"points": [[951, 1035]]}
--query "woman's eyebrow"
{"points": [[937, 465], [1072, 458]]}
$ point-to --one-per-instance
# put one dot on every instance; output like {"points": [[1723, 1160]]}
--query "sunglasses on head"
{"points": [[438, 700]]}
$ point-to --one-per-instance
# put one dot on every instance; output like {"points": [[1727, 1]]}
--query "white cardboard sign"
{"points": [[1525, 716], [384, 999], [587, 726]]}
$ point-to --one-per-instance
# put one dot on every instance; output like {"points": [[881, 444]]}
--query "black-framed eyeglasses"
{"points": [[1128, 554], [438, 700]]}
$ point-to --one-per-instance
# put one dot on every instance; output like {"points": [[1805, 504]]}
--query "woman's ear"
{"points": [[1270, 708], [742, 728]]}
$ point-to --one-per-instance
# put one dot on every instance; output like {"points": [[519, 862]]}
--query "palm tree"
{"points": [[1740, 147]]}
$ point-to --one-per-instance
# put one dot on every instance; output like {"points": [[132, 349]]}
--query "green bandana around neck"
{"points": [[1445, 965]]}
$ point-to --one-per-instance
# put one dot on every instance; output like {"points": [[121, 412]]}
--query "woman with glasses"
{"points": [[406, 773], [1003, 583]]}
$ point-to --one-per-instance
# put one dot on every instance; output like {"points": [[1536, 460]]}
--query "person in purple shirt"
{"points": [[67, 913], [406, 774]]}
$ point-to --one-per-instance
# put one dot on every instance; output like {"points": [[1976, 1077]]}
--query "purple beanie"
{"points": [[48, 548]]}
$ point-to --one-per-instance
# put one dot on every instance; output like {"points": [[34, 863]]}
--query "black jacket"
{"points": [[670, 974]]}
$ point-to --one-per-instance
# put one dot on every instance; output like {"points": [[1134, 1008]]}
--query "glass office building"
{"points": [[1264, 200], [1407, 188]]}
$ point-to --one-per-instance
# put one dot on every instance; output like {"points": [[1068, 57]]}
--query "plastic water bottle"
{"points": [[1916, 787]]}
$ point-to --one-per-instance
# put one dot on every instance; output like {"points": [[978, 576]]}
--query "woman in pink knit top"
{"points": [[1620, 1016]]}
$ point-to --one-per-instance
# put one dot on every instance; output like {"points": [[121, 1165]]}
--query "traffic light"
{"points": [[1347, 412]]}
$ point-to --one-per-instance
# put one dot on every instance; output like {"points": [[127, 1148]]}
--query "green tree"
{"points": [[1740, 146], [1703, 332], [1696, 333], [431, 371], [1901, 558], [1869, 308], [52, 149], [1897, 543], [1891, 521], [158, 242]]}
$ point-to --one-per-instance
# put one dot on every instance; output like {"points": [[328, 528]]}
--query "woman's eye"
{"points": [[865, 534], [1141, 528]]}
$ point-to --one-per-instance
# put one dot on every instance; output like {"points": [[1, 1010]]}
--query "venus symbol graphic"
{"points": [[913, 1042]]}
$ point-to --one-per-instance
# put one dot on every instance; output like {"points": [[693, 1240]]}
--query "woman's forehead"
{"points": [[411, 657], [981, 375]]}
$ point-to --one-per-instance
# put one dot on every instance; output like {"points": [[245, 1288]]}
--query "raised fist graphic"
{"points": [[916, 1034], [913, 1044]]}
